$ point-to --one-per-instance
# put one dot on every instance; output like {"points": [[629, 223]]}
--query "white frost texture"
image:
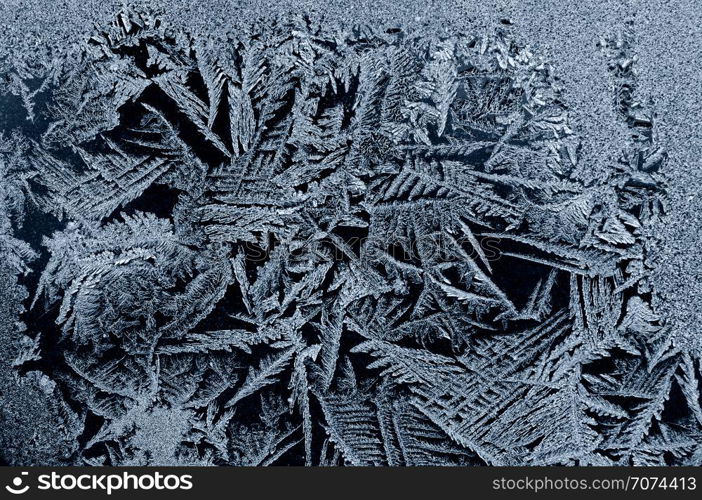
{"points": [[299, 236]]}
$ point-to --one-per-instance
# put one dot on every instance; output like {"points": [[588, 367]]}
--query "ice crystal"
{"points": [[322, 244]]}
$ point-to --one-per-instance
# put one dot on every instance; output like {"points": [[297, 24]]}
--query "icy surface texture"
{"points": [[314, 241]]}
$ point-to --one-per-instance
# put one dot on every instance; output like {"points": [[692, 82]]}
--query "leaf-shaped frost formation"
{"points": [[311, 243]]}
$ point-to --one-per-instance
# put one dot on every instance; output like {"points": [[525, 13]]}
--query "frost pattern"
{"points": [[321, 244]]}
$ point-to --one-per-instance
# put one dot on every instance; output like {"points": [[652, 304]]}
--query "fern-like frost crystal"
{"points": [[325, 244]]}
